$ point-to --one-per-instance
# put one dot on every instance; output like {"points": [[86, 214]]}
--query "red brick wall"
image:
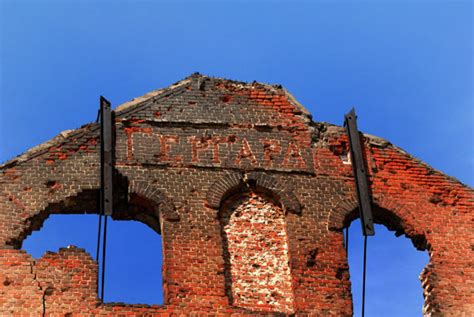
{"points": [[58, 283], [180, 154]]}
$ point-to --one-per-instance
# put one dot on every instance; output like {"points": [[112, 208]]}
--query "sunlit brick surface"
{"points": [[256, 242], [180, 153]]}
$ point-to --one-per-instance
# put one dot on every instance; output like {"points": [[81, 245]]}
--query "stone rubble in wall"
{"points": [[258, 246]]}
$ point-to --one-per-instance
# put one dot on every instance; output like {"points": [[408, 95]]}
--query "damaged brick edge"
{"points": [[85, 129], [60, 139], [326, 131]]}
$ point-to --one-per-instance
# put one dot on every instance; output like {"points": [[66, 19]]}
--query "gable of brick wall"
{"points": [[182, 153]]}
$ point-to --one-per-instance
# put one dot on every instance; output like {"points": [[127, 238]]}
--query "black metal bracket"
{"points": [[106, 158], [106, 182], [358, 167]]}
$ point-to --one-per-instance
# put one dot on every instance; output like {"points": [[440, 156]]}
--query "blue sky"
{"points": [[406, 66]]}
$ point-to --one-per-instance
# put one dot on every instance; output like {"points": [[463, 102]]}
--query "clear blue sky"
{"points": [[407, 67]]}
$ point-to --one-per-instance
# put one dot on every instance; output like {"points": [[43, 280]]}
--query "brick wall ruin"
{"points": [[229, 174]]}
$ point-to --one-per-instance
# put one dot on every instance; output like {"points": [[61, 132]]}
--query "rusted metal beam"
{"points": [[358, 166]]}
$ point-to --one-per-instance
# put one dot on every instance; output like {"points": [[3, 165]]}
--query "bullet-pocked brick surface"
{"points": [[188, 159], [256, 246]]}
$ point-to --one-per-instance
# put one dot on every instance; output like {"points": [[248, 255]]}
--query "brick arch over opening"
{"points": [[86, 200], [386, 211], [60, 195], [165, 205], [82, 202], [231, 183], [338, 215]]}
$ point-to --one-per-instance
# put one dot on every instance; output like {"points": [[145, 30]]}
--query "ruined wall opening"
{"points": [[394, 268], [133, 260], [134, 248], [256, 253]]}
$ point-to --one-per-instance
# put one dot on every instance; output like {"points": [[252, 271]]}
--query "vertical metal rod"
{"points": [[363, 276], [103, 259], [98, 247]]}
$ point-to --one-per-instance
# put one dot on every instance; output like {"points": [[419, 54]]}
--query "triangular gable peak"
{"points": [[203, 121], [228, 100]]}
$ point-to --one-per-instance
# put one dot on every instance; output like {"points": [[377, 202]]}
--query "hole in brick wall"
{"points": [[134, 254], [393, 267]]}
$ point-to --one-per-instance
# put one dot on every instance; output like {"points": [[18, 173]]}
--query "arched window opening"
{"points": [[133, 260], [256, 253], [393, 287]]}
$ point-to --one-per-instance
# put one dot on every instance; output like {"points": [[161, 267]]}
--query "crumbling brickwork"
{"points": [[256, 254], [58, 283], [183, 156]]}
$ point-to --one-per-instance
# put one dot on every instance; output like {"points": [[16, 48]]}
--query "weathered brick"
{"points": [[230, 174]]}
